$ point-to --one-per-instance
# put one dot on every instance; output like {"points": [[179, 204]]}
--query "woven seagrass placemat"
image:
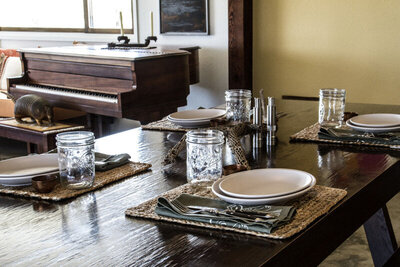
{"points": [[164, 125], [310, 134], [59, 193], [318, 201]]}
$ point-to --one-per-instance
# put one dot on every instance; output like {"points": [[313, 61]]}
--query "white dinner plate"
{"points": [[257, 201], [28, 165], [196, 115], [192, 121], [21, 180], [376, 120], [372, 129], [265, 183], [190, 124]]}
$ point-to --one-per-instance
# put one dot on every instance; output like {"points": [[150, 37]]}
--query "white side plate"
{"points": [[28, 165], [21, 180], [264, 183], [196, 115], [258, 201], [190, 124], [376, 120], [372, 129]]}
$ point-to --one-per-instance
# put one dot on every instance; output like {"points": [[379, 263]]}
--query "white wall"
{"points": [[213, 54]]}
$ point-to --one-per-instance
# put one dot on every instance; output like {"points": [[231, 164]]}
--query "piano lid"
{"points": [[103, 52]]}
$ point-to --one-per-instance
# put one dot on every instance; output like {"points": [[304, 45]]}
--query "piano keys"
{"points": [[71, 93], [140, 84]]}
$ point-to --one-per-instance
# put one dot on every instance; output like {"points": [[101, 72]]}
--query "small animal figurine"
{"points": [[33, 106]]}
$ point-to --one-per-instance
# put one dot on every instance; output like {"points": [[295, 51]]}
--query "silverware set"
{"points": [[255, 216]]}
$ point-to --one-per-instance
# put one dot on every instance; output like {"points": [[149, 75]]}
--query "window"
{"points": [[90, 16]]}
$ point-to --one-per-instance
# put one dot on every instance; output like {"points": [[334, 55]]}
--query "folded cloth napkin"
{"points": [[219, 212], [350, 135], [104, 162]]}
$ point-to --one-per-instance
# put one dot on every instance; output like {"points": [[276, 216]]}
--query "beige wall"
{"points": [[303, 45]]}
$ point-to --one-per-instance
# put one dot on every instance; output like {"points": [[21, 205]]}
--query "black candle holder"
{"points": [[125, 42]]}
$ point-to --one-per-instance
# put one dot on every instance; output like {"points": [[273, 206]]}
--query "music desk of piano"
{"points": [[139, 84]]}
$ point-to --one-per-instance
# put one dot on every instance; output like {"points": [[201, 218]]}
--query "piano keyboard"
{"points": [[69, 93]]}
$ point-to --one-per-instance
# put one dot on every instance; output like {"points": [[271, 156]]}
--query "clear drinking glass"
{"points": [[331, 106], [76, 159], [204, 155], [238, 104]]}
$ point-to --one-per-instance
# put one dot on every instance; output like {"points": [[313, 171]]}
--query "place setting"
{"points": [[279, 211], [378, 129], [375, 123], [271, 202], [340, 127], [236, 110], [72, 169]]}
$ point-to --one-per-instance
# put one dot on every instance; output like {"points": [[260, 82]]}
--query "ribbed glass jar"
{"points": [[238, 105], [76, 159], [331, 106], [204, 155]]}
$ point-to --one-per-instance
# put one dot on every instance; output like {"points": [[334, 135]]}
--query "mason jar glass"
{"points": [[204, 155], [238, 105], [76, 159], [331, 106]]}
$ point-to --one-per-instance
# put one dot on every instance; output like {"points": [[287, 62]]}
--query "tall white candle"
{"points": [[122, 26], [151, 23]]}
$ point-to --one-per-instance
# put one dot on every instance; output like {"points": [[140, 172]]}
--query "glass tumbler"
{"points": [[238, 104], [204, 155], [331, 106], [76, 159]]}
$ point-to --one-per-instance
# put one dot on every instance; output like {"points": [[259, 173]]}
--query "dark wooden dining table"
{"points": [[92, 230]]}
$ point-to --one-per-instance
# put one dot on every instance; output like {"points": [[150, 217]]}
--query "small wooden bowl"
{"points": [[45, 183]]}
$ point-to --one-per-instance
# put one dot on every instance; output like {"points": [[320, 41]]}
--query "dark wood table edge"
{"points": [[307, 244]]}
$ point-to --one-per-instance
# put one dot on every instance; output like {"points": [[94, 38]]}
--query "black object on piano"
{"points": [[127, 44]]}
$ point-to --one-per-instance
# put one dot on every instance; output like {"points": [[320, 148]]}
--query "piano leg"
{"points": [[89, 121], [99, 125], [30, 148]]}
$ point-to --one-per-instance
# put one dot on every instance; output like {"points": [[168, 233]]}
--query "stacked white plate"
{"points": [[263, 186], [375, 123], [195, 118], [19, 171]]}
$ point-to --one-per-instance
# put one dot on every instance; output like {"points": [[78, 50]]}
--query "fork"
{"points": [[182, 208], [198, 211]]}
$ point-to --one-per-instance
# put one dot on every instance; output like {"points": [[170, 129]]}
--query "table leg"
{"points": [[381, 239], [41, 148]]}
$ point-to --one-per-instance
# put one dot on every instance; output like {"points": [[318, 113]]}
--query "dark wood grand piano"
{"points": [[140, 84]]}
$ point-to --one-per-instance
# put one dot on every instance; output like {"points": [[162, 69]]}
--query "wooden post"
{"points": [[240, 44]]}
